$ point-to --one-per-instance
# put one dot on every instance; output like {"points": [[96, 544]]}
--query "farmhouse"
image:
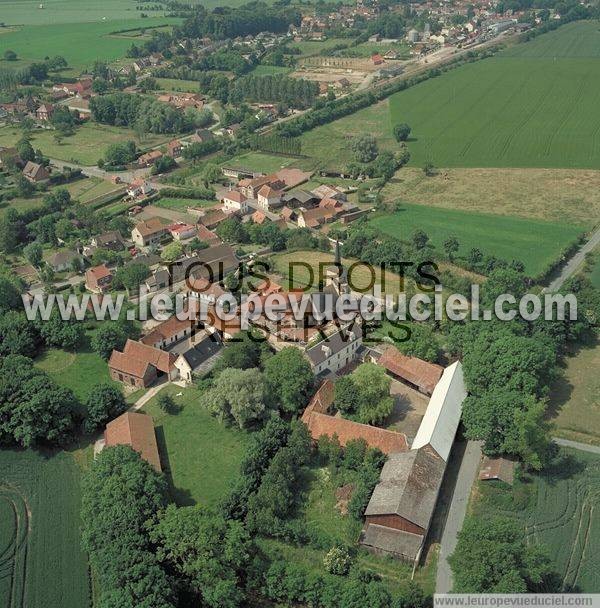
{"points": [[234, 201], [108, 240], [168, 332], [137, 431], [35, 173], [313, 218], [174, 148], [181, 231], [148, 232], [44, 112], [419, 374], [196, 358], [336, 351], [145, 160], [268, 198], [62, 260], [139, 187], [140, 365]]}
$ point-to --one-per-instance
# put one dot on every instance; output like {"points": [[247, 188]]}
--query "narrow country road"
{"points": [[575, 445], [456, 514], [575, 263]]}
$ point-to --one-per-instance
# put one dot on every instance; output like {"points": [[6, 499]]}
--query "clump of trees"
{"points": [[293, 92], [104, 403], [364, 395]]}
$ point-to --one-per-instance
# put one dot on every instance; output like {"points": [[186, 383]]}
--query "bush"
{"points": [[337, 561]]}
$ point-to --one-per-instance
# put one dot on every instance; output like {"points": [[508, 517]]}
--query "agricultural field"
{"points": [[41, 561], [84, 190], [181, 204], [171, 85], [366, 49], [200, 455], [79, 43], [261, 161], [314, 47], [535, 243], [528, 106], [575, 396], [541, 194], [85, 146], [556, 510]]}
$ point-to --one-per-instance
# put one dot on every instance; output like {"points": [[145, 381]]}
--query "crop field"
{"points": [[85, 190], [79, 43], [200, 455], [314, 47], [174, 84], [260, 161], [557, 509], [575, 395], [535, 243], [540, 194], [533, 105], [85, 146], [41, 562]]}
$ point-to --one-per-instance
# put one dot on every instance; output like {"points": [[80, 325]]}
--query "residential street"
{"points": [[456, 514], [575, 263]]}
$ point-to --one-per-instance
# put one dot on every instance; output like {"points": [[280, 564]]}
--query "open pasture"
{"points": [[41, 562], [535, 243], [533, 105]]}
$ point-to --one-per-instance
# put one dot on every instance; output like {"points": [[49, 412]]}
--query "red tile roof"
{"points": [[166, 330], [421, 373], [136, 357], [137, 431], [319, 423]]}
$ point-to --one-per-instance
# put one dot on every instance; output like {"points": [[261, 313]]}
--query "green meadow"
{"points": [[533, 242]]}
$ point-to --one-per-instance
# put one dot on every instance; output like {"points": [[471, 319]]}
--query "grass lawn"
{"points": [[79, 371], [79, 43], [595, 274], [544, 194], [575, 396], [314, 47], [556, 509], [270, 70], [529, 106], [533, 242], [200, 456], [366, 49], [172, 84], [260, 161], [40, 526], [289, 266], [181, 203], [86, 146], [84, 190]]}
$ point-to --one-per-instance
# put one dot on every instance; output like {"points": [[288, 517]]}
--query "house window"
{"points": [[120, 377], [132, 381]]}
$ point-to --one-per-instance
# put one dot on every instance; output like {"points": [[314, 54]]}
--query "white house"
{"points": [[268, 197], [139, 187], [234, 201], [336, 351]]}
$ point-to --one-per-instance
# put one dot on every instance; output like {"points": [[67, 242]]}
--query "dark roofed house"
{"points": [[211, 263], [62, 260], [35, 173], [109, 240], [137, 431]]}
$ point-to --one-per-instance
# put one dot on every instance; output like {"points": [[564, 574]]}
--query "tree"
{"points": [[34, 253], [121, 495], [131, 276], [10, 293], [18, 336], [104, 403], [420, 239], [451, 246], [401, 132], [239, 396], [210, 555], [108, 337], [120, 153], [33, 409], [60, 333], [242, 352], [365, 148], [211, 174], [492, 556], [10, 55], [429, 169], [173, 251], [337, 561], [56, 63], [10, 229], [25, 149], [163, 165], [347, 399], [166, 403], [422, 343], [289, 379]]}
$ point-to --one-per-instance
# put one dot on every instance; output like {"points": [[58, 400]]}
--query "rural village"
{"points": [[269, 154]]}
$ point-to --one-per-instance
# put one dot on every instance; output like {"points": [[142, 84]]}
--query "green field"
{"points": [[200, 456], [260, 161], [174, 84], [79, 43], [314, 47], [535, 243], [41, 562], [595, 274], [533, 105], [557, 510], [181, 204], [270, 70], [85, 146]]}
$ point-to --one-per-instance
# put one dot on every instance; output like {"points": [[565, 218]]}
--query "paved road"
{"points": [[584, 447], [456, 514], [575, 263]]}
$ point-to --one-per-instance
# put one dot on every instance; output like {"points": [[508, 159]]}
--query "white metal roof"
{"points": [[441, 419]]}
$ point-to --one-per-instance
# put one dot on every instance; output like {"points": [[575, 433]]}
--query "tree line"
{"points": [[293, 92]]}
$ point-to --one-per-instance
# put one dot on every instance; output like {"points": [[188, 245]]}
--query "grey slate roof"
{"points": [[333, 344], [220, 259], [408, 486]]}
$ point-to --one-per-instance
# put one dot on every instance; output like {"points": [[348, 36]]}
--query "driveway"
{"points": [[456, 513], [575, 262]]}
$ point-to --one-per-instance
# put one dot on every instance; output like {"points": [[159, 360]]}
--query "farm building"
{"points": [[497, 469], [140, 364], [137, 431]]}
